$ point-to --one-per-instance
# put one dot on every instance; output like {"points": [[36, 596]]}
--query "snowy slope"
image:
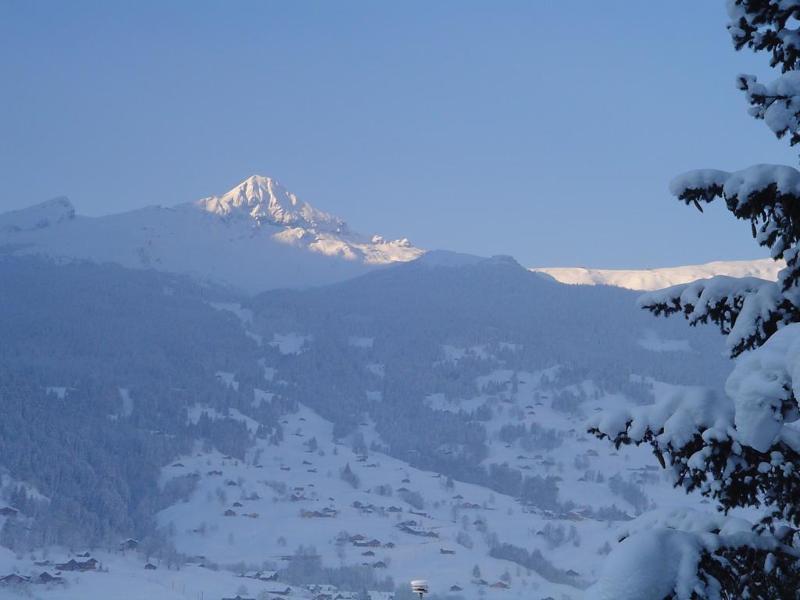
{"points": [[38, 216], [654, 279], [256, 236], [419, 367]]}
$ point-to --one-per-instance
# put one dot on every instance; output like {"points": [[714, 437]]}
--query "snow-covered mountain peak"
{"points": [[266, 201], [37, 216], [254, 237]]}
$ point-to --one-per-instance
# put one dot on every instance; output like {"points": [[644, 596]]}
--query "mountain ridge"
{"points": [[259, 236], [254, 237], [653, 279]]}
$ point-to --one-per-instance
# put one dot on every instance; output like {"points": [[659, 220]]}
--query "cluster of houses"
{"points": [[15, 579], [45, 577], [371, 508]]}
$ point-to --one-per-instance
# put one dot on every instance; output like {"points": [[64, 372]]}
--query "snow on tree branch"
{"points": [[766, 195], [723, 300], [696, 553], [741, 449], [765, 25]]}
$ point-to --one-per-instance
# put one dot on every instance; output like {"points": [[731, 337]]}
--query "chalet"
{"points": [[214, 472], [456, 588], [357, 538], [178, 464], [129, 544], [229, 513], [238, 597], [237, 505], [14, 579], [394, 509], [45, 578], [573, 573], [251, 515], [373, 543], [150, 567], [7, 511], [389, 545], [379, 565], [500, 585], [74, 565], [285, 592], [446, 551], [409, 523], [368, 553], [231, 483]]}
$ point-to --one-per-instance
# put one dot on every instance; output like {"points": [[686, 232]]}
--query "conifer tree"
{"points": [[741, 450]]}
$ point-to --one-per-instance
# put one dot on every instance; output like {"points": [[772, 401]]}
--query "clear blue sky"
{"points": [[547, 130]]}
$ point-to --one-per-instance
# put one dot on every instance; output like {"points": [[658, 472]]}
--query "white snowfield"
{"points": [[656, 279], [257, 236]]}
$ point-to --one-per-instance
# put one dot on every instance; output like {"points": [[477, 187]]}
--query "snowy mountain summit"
{"points": [[266, 201], [263, 201], [256, 236]]}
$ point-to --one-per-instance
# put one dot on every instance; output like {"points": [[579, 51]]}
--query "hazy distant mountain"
{"points": [[257, 236], [654, 279]]}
